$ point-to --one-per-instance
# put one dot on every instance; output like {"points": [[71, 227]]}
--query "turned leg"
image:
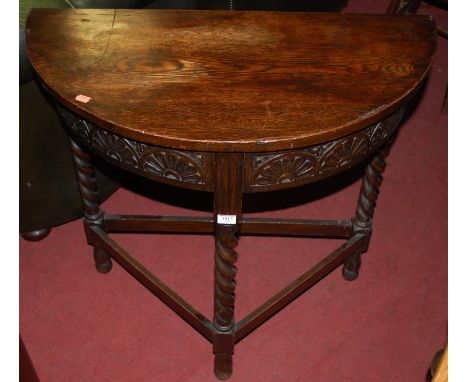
{"points": [[225, 272], [227, 208], [93, 215], [362, 221]]}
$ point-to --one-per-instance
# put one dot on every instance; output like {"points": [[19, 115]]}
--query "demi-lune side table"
{"points": [[230, 103]]}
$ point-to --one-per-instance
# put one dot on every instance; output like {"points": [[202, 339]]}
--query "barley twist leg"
{"points": [[228, 177], [93, 215], [225, 284], [362, 221]]}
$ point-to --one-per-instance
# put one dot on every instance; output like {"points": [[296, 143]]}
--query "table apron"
{"points": [[262, 171]]}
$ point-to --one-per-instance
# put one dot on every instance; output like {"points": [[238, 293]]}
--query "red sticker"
{"points": [[82, 98]]}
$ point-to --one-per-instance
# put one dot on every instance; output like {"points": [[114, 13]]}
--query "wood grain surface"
{"points": [[229, 81]]}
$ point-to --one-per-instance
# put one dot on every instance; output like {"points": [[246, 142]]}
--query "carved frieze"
{"points": [[306, 165], [174, 165], [168, 165], [263, 171]]}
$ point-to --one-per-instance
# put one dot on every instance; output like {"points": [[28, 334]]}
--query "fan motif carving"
{"points": [[321, 160], [174, 165], [267, 170]]}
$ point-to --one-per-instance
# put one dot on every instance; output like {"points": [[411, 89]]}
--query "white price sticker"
{"points": [[226, 219]]}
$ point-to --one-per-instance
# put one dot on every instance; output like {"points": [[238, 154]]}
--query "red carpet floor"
{"points": [[79, 325]]}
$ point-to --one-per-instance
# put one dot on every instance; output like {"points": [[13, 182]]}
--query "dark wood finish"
{"points": [[262, 171], [280, 170], [93, 215], [182, 168], [36, 235], [296, 227], [247, 226], [371, 182], [155, 285], [401, 7], [27, 372], [86, 183], [362, 221], [230, 102], [229, 81], [228, 178], [166, 224], [297, 287]]}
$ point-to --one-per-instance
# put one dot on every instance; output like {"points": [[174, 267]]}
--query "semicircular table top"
{"points": [[229, 81]]}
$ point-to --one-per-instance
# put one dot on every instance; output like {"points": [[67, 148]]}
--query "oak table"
{"points": [[230, 103]]}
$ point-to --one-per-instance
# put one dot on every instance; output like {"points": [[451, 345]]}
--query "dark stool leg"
{"points": [[362, 221], [227, 201], [93, 215], [36, 235], [351, 267]]}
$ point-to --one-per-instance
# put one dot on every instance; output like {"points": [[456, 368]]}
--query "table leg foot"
{"points": [[351, 267], [223, 366], [102, 260], [36, 235]]}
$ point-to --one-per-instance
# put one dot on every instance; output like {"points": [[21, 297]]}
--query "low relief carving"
{"points": [[186, 167], [321, 160], [114, 147], [81, 128], [173, 165], [268, 170]]}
